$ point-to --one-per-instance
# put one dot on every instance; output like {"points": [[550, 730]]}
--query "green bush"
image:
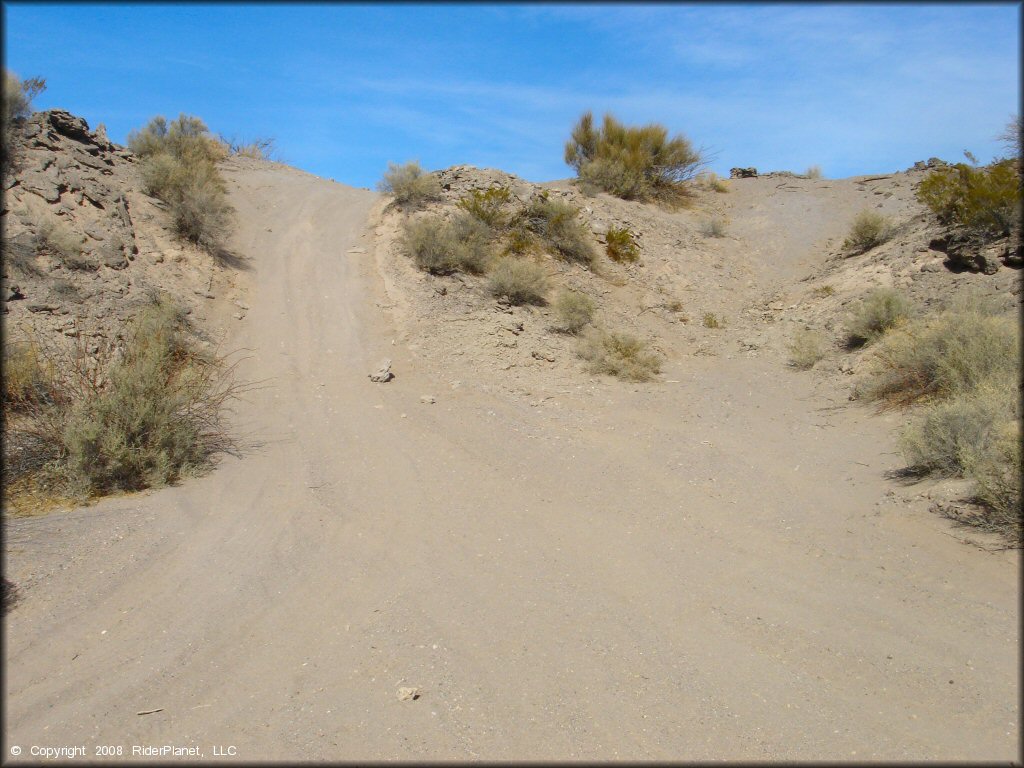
{"points": [[557, 224], [620, 245], [880, 311], [575, 311], [951, 352], [488, 205], [179, 167], [619, 354], [983, 200], [869, 230], [410, 184], [443, 248], [518, 280], [634, 163], [806, 348]]}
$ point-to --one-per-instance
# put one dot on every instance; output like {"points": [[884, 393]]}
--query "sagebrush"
{"points": [[619, 354], [141, 417], [443, 248], [519, 280], [559, 227], [881, 310], [806, 348], [410, 184], [869, 230], [179, 166], [574, 310]]}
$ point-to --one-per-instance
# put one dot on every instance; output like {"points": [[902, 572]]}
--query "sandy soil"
{"points": [[710, 567]]}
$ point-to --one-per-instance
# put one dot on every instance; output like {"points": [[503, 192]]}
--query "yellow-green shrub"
{"points": [[618, 354], [575, 311], [985, 200], [869, 229], [634, 163], [559, 227], [620, 244], [881, 310], [488, 205]]}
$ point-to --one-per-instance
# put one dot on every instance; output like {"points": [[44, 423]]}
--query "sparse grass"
{"points": [[806, 348], [881, 310], [519, 280], [179, 167], [558, 226], [945, 354], [711, 320], [575, 311], [489, 206], [869, 230], [126, 422], [443, 248], [618, 354], [983, 200], [621, 245], [410, 184], [25, 375], [634, 163], [824, 290], [813, 172], [55, 237], [716, 183], [259, 148], [713, 227]]}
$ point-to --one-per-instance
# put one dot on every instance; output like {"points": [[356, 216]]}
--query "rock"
{"points": [[428, 399], [514, 327], [408, 694], [742, 173], [537, 355], [41, 185], [111, 253], [932, 267], [101, 138], [42, 308], [383, 373], [13, 293], [69, 125]]}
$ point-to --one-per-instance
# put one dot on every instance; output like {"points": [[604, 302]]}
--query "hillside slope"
{"points": [[713, 566]]}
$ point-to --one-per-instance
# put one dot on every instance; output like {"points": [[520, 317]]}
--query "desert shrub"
{"points": [[558, 225], [488, 205], [443, 248], [945, 435], [179, 167], [518, 280], [710, 320], [951, 352], [25, 376], [1012, 138], [881, 310], [634, 163], [713, 227], [410, 184], [813, 172], [996, 472], [869, 229], [575, 311], [806, 348], [55, 237], [620, 244], [519, 239], [824, 290], [133, 420], [618, 354], [984, 200], [17, 108]]}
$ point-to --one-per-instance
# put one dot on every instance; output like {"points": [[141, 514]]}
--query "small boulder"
{"points": [[742, 173], [383, 373]]}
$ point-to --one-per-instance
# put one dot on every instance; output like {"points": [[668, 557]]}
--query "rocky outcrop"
{"points": [[743, 173]]}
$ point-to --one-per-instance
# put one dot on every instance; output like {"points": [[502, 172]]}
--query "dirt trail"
{"points": [[704, 568]]}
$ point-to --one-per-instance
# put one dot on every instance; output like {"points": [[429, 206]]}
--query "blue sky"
{"points": [[344, 89]]}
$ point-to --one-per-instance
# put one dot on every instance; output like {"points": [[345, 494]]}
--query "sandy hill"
{"points": [[497, 555]]}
